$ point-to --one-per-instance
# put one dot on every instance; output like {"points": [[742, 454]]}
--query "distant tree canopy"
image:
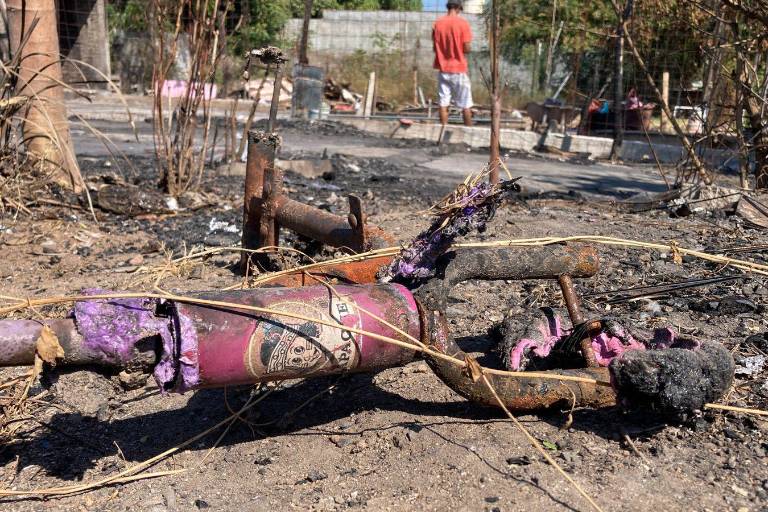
{"points": [[668, 33], [525, 22]]}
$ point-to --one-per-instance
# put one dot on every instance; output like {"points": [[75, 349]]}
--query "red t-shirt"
{"points": [[449, 33]]}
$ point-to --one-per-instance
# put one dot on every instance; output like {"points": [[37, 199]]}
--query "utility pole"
{"points": [[618, 84], [303, 59], [495, 157]]}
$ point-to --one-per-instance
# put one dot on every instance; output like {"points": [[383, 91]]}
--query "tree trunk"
{"points": [[759, 126], [748, 82], [45, 129]]}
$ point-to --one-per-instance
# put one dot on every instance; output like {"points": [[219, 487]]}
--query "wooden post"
{"points": [[368, 109], [535, 69], [494, 159], [665, 98], [618, 83]]}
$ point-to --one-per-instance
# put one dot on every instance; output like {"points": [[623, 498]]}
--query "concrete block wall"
{"points": [[83, 36], [519, 140], [344, 32]]}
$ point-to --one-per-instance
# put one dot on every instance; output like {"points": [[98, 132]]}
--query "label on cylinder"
{"points": [[283, 346]]}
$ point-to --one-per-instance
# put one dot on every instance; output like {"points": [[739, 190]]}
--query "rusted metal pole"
{"points": [[573, 304], [265, 209], [275, 97], [262, 149]]}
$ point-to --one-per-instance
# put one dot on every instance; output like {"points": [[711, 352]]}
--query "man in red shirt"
{"points": [[451, 37]]}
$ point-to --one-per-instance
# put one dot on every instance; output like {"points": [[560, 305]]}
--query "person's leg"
{"points": [[443, 115], [464, 98], [467, 114], [443, 96]]}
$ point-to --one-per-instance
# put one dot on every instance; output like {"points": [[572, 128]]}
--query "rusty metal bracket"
{"points": [[266, 209]]}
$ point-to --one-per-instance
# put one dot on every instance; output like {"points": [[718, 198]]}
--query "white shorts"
{"points": [[456, 87]]}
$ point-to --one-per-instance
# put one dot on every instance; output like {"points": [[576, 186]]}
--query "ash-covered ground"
{"points": [[400, 439]]}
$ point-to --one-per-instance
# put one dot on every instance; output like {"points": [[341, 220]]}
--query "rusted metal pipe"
{"points": [[262, 149], [518, 393], [501, 263], [18, 342], [328, 228]]}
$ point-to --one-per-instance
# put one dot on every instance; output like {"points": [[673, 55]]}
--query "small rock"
{"points": [[132, 380], [49, 247], [83, 251], [341, 442], [197, 272], [653, 307], [519, 461], [491, 499], [103, 413], [55, 259], [170, 498], [750, 365], [738, 490], [735, 304], [759, 341], [316, 475], [701, 425], [201, 504], [705, 306], [136, 260]]}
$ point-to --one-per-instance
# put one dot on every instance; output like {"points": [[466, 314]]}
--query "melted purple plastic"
{"points": [[113, 327], [608, 345]]}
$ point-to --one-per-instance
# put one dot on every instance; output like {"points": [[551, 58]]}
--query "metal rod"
{"points": [[278, 85], [573, 304]]}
